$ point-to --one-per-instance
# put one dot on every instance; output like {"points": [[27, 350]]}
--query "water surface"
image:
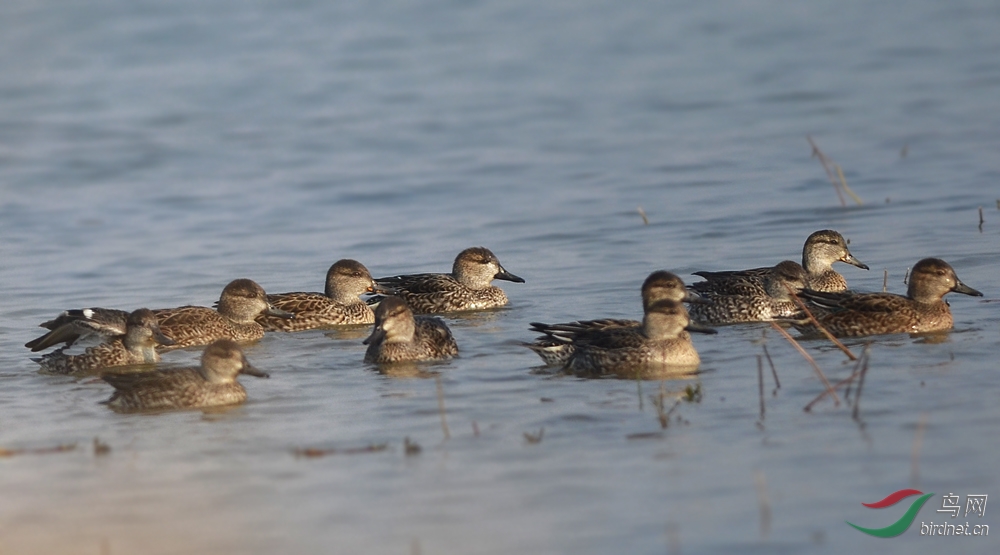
{"points": [[150, 153]]}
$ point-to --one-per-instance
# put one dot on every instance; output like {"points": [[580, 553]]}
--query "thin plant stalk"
{"points": [[774, 371], [819, 326], [819, 372], [846, 381], [760, 384], [861, 381], [645, 220], [918, 441], [843, 183], [440, 398], [826, 167]]}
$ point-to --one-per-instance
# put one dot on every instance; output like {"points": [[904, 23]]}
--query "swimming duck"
{"points": [[241, 302], [134, 346], [752, 305], [339, 305], [659, 348], [922, 310], [400, 336], [820, 251], [467, 287], [659, 285], [211, 384]]}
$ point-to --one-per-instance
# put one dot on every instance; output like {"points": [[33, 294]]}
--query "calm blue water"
{"points": [[151, 152]]}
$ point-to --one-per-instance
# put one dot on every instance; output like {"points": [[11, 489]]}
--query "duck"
{"points": [[242, 300], [72, 325], [399, 336], [922, 310], [135, 346], [338, 305], [821, 250], [467, 287], [234, 317], [211, 384], [660, 347], [659, 285], [751, 304]]}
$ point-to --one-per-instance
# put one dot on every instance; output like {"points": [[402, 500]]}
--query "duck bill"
{"points": [[507, 276], [701, 329], [375, 288], [271, 311], [381, 290], [162, 339], [378, 334], [693, 298], [849, 259], [251, 371], [965, 289]]}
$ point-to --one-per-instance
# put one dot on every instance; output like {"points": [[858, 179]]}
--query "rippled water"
{"points": [[151, 152]]}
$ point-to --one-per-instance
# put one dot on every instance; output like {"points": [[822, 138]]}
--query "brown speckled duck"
{"points": [[234, 318], [339, 305], [922, 310], [241, 302], [661, 347], [467, 287], [820, 251], [658, 286], [135, 346], [399, 336], [774, 302], [210, 385]]}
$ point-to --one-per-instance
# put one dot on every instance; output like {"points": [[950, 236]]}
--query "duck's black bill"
{"points": [[505, 275], [250, 370], [378, 334], [854, 262], [701, 329], [966, 290], [162, 339]]}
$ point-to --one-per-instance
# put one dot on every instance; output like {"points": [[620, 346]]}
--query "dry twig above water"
{"points": [[811, 361], [829, 166]]}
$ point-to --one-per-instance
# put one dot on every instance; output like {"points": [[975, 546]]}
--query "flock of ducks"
{"points": [[404, 332]]}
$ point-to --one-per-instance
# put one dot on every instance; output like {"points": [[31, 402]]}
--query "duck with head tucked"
{"points": [[820, 251], [135, 346], [922, 310], [753, 305], [339, 305], [661, 347], [658, 286], [467, 287], [399, 336], [212, 384]]}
